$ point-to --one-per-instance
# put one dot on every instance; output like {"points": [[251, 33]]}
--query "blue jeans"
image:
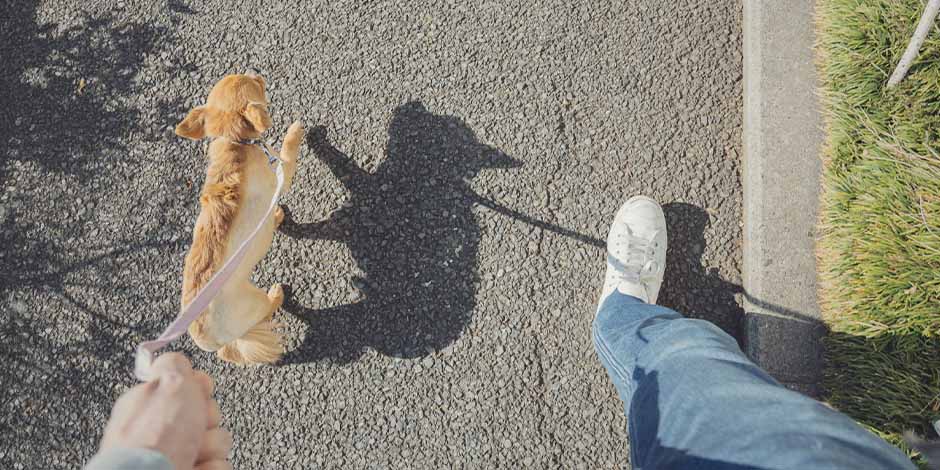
{"points": [[694, 401]]}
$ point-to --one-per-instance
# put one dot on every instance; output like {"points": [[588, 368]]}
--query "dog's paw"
{"points": [[295, 134], [278, 216], [276, 294]]}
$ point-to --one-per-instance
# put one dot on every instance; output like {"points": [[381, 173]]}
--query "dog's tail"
{"points": [[260, 345]]}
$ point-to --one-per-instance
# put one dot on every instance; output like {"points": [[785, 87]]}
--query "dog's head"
{"points": [[237, 108], [432, 139]]}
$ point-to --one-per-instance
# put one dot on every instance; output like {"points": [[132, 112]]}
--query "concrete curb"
{"points": [[783, 132]]}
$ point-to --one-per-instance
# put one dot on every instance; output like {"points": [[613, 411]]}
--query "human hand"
{"points": [[174, 415]]}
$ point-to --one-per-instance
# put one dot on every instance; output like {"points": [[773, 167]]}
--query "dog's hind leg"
{"points": [[260, 343], [275, 298]]}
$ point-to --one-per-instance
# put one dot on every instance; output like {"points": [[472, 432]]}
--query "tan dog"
{"points": [[237, 192]]}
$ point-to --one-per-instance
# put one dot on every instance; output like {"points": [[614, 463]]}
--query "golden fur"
{"points": [[237, 323], [221, 194]]}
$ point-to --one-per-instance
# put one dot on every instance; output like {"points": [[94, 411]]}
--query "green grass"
{"points": [[879, 251]]}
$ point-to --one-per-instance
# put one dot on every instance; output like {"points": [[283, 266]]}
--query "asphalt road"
{"points": [[444, 250]]}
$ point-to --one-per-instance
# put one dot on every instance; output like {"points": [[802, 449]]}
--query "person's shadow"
{"points": [[410, 228]]}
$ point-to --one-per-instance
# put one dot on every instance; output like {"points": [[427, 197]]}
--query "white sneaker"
{"points": [[636, 251]]}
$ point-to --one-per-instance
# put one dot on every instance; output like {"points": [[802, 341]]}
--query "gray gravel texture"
{"points": [[444, 249]]}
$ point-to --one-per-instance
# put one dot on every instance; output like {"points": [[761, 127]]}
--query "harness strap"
{"points": [[264, 148]]}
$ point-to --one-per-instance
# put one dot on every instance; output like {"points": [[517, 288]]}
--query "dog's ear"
{"points": [[257, 116], [260, 81], [194, 125]]}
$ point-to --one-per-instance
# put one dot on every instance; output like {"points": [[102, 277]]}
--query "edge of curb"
{"points": [[781, 170]]}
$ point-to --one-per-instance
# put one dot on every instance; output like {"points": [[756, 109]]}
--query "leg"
{"points": [[245, 306], [693, 400], [290, 151], [257, 341], [275, 298]]}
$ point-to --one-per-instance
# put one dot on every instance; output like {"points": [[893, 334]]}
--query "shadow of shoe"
{"points": [[688, 287]]}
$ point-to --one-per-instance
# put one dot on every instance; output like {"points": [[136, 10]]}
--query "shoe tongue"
{"points": [[635, 289]]}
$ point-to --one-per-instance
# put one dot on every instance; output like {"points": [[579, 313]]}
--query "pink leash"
{"points": [[208, 292]]}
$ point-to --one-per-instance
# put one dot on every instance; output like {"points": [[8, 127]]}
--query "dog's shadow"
{"points": [[410, 228]]}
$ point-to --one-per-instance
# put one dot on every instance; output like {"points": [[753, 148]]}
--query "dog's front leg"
{"points": [[290, 151]]}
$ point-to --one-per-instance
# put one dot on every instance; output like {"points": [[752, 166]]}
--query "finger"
{"points": [[130, 398], [124, 411], [215, 415], [172, 362], [207, 383], [172, 371], [214, 465], [216, 444]]}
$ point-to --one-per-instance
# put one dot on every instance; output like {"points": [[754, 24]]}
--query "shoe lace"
{"points": [[638, 262]]}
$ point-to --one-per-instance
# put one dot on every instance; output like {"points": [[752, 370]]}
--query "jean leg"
{"points": [[694, 400]]}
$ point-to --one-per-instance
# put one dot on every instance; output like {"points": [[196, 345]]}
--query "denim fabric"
{"points": [[694, 401]]}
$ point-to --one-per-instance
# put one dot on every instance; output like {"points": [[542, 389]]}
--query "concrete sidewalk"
{"points": [[783, 132]]}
